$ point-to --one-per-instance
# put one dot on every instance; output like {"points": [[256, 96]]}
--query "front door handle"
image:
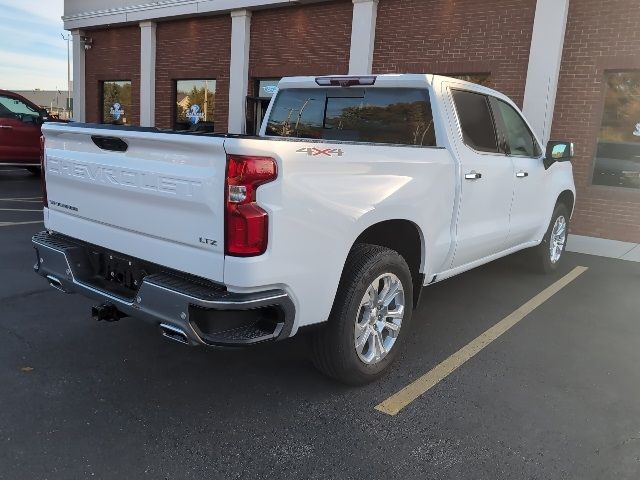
{"points": [[522, 174], [8, 127], [473, 175]]}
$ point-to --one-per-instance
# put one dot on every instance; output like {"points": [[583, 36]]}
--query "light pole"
{"points": [[68, 39]]}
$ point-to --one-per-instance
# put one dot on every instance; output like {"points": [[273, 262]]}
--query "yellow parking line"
{"points": [[10, 224], [399, 400]]}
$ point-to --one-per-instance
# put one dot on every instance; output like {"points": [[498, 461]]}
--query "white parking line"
{"points": [[19, 210], [21, 199], [10, 224], [399, 400]]}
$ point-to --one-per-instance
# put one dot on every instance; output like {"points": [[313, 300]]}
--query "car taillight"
{"points": [[246, 223], [42, 172]]}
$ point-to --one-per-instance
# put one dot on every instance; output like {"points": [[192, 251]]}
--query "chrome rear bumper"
{"points": [[204, 312]]}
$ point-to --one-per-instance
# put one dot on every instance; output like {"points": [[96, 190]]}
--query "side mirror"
{"points": [[558, 151]]}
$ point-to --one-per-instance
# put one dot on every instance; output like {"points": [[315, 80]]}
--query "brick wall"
{"points": [[312, 39], [115, 55], [192, 49], [462, 36], [601, 35]]}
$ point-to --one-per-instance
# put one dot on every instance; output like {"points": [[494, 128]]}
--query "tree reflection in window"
{"points": [[195, 105], [116, 102], [378, 115], [617, 160]]}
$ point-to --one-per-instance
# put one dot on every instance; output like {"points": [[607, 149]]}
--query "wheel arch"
{"points": [[568, 198], [406, 238]]}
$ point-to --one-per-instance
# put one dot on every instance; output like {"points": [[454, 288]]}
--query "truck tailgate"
{"points": [[160, 200]]}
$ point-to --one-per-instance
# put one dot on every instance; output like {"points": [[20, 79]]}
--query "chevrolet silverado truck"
{"points": [[357, 192]]}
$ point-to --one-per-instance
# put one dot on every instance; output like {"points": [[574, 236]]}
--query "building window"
{"points": [[617, 162], [195, 105], [116, 102], [265, 88]]}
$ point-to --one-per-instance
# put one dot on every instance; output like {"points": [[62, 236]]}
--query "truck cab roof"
{"points": [[387, 80]]}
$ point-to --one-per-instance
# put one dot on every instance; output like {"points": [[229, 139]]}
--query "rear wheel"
{"points": [[548, 254], [369, 319]]}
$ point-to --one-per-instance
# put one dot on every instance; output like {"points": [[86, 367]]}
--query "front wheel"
{"points": [[548, 254], [369, 319]]}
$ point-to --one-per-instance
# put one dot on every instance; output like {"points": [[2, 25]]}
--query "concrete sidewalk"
{"points": [[603, 247]]}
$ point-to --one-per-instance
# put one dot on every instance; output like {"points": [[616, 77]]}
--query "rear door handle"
{"points": [[472, 176], [8, 127], [522, 174]]}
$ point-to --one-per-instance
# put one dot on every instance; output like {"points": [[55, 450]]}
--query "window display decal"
{"points": [[194, 114], [116, 111]]}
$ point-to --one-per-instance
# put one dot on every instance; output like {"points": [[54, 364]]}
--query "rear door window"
{"points": [[476, 121], [396, 116]]}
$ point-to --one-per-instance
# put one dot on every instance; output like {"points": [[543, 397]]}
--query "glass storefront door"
{"points": [[257, 105]]}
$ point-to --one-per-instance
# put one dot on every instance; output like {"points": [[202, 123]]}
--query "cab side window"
{"points": [[519, 139], [476, 121], [13, 108]]}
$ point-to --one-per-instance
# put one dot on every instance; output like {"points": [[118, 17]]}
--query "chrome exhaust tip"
{"points": [[174, 333], [55, 283]]}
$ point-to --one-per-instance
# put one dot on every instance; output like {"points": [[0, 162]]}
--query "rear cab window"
{"points": [[398, 116]]}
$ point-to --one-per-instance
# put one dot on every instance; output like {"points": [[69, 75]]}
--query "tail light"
{"points": [[246, 223], [42, 172]]}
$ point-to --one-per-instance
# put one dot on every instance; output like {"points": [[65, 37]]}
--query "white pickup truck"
{"points": [[357, 192]]}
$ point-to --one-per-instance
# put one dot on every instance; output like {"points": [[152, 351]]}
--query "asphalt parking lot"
{"points": [[557, 396]]}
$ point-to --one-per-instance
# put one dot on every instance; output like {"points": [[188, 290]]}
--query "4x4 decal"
{"points": [[316, 152]]}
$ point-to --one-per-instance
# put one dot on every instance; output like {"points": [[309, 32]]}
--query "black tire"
{"points": [[541, 255], [333, 345], [34, 171]]}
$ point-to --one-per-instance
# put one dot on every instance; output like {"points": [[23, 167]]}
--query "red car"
{"points": [[20, 122]]}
